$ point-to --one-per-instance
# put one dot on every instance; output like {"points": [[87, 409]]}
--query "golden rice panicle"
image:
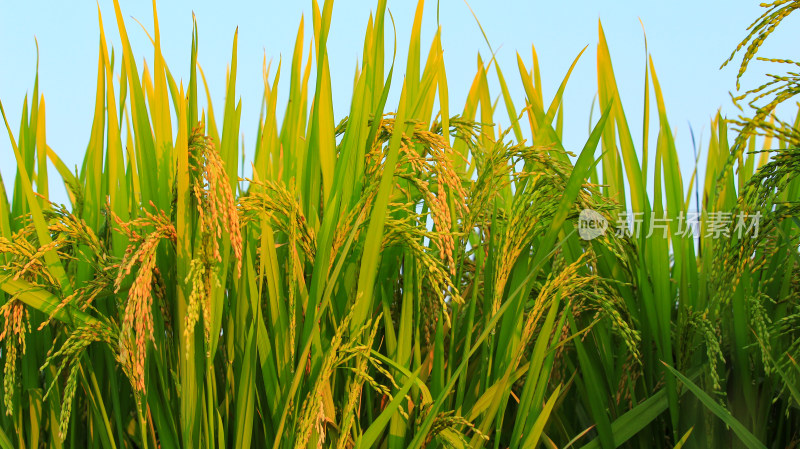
{"points": [[70, 353], [312, 403], [35, 263], [201, 273], [320, 423], [137, 322], [216, 204], [441, 214], [69, 394], [25, 259], [16, 322]]}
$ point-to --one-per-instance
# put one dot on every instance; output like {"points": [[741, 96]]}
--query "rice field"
{"points": [[409, 275]]}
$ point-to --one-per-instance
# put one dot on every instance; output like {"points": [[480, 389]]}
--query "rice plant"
{"points": [[404, 276]]}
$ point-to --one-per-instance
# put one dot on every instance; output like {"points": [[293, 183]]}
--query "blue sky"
{"points": [[688, 41]]}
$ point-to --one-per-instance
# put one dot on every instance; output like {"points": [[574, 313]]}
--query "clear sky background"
{"points": [[688, 40]]}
